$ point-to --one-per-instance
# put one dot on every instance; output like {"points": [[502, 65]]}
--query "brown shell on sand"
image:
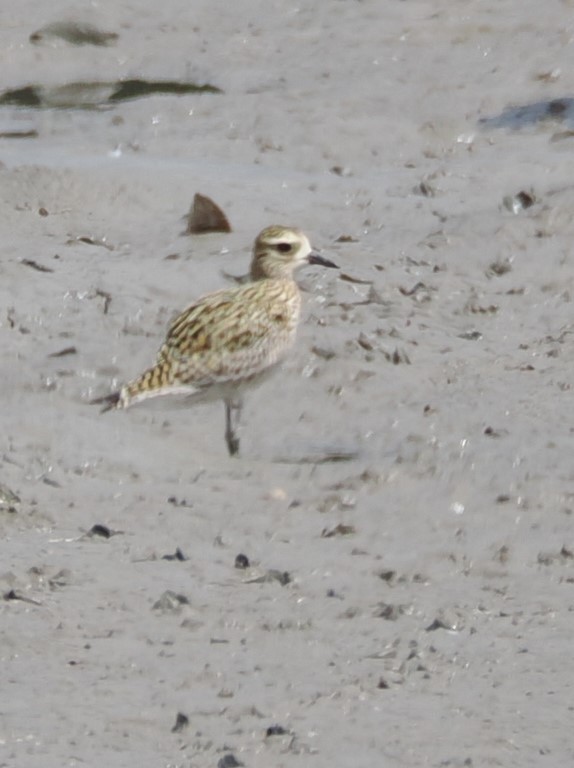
{"points": [[205, 216]]}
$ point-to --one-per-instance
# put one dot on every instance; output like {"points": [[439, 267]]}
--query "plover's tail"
{"points": [[153, 384], [108, 401]]}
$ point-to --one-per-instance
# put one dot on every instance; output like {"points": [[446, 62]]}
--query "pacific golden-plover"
{"points": [[230, 340]]}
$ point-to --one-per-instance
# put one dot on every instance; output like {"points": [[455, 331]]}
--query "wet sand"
{"points": [[407, 605]]}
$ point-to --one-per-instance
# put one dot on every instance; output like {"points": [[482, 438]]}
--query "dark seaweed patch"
{"points": [[91, 95]]}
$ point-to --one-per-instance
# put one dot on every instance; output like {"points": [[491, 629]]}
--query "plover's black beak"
{"points": [[316, 258]]}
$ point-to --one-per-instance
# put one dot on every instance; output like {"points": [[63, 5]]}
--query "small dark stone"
{"points": [[526, 199], [436, 624], [387, 574], [179, 502], [470, 335], [521, 201], [275, 730], [341, 529], [48, 480], [400, 357], [228, 761], [181, 723], [283, 577], [364, 342], [177, 555], [499, 268], [11, 595], [242, 562], [340, 170], [389, 612], [100, 530], [382, 684], [425, 189]]}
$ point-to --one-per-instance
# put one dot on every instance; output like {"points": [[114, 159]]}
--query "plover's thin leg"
{"points": [[232, 418]]}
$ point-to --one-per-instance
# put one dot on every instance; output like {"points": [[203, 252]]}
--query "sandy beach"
{"points": [[403, 503]]}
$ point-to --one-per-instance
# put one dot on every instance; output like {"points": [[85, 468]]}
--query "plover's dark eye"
{"points": [[284, 247]]}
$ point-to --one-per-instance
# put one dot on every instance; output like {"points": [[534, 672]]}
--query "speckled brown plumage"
{"points": [[229, 340]]}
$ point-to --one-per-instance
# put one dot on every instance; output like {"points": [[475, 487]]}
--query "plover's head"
{"points": [[278, 251]]}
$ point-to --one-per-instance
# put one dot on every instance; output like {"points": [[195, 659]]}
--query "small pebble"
{"points": [[181, 723], [242, 562], [228, 761]]}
